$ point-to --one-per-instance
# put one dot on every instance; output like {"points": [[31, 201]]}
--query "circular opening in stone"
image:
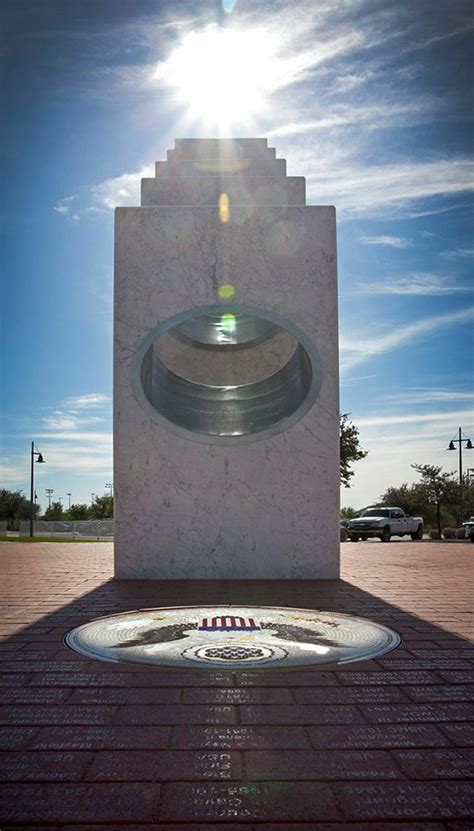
{"points": [[227, 373], [253, 637]]}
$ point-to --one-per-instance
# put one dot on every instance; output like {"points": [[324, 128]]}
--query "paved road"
{"points": [[384, 744]]}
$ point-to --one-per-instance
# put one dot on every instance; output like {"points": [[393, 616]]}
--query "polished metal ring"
{"points": [[226, 374]]}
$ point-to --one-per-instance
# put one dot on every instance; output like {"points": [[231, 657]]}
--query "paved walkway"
{"points": [[377, 745]]}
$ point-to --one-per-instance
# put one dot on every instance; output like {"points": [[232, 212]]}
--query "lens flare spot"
{"points": [[228, 323], [226, 291], [224, 209], [229, 6]]}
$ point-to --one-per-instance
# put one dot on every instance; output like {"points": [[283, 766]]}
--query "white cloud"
{"points": [[433, 211], [428, 395], [76, 435], [72, 412], [69, 436], [416, 418], [80, 402], [103, 197], [362, 347], [346, 83], [81, 452], [348, 115], [10, 473], [359, 190], [392, 242], [358, 379], [67, 421], [458, 252], [62, 206], [119, 190], [415, 283], [424, 44]]}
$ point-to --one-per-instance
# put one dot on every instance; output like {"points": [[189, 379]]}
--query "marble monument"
{"points": [[226, 415]]}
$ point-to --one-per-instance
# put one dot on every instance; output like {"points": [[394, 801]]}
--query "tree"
{"points": [[102, 507], [439, 488], [348, 512], [54, 512], [468, 495], [76, 512], [15, 507], [411, 498], [350, 448]]}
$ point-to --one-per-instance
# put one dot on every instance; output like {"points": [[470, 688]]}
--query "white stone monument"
{"points": [[226, 371]]}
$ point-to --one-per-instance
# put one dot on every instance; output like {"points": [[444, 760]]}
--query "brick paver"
{"points": [[381, 745]]}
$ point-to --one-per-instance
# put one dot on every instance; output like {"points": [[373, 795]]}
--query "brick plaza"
{"points": [[383, 744]]}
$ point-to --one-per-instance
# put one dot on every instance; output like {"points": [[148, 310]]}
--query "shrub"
{"points": [[434, 535], [460, 533], [343, 533], [448, 533]]}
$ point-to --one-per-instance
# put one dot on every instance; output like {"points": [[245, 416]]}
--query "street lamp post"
{"points": [[460, 440], [40, 460], [111, 486], [69, 497]]}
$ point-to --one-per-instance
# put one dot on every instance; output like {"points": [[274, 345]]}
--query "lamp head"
{"points": [[469, 444], [40, 459], [451, 446]]}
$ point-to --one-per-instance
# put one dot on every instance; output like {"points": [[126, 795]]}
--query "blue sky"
{"points": [[368, 100]]}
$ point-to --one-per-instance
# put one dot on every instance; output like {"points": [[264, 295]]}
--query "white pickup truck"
{"points": [[384, 523]]}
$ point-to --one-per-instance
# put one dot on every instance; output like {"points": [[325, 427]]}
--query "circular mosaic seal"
{"points": [[232, 637], [236, 653]]}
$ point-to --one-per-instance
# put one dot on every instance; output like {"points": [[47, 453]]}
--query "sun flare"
{"points": [[222, 75]]}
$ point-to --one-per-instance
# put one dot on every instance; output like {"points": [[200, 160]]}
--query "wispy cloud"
{"points": [[428, 395], [359, 190], [415, 418], [349, 82], [464, 205], [11, 473], [69, 434], [361, 348], [341, 116], [78, 451], [85, 402], [107, 195], [415, 283], [67, 421], [462, 253], [328, 76], [427, 42], [72, 413], [63, 206], [392, 242], [119, 190], [358, 379]]}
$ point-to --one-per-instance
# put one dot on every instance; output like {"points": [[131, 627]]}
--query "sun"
{"points": [[222, 76]]}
